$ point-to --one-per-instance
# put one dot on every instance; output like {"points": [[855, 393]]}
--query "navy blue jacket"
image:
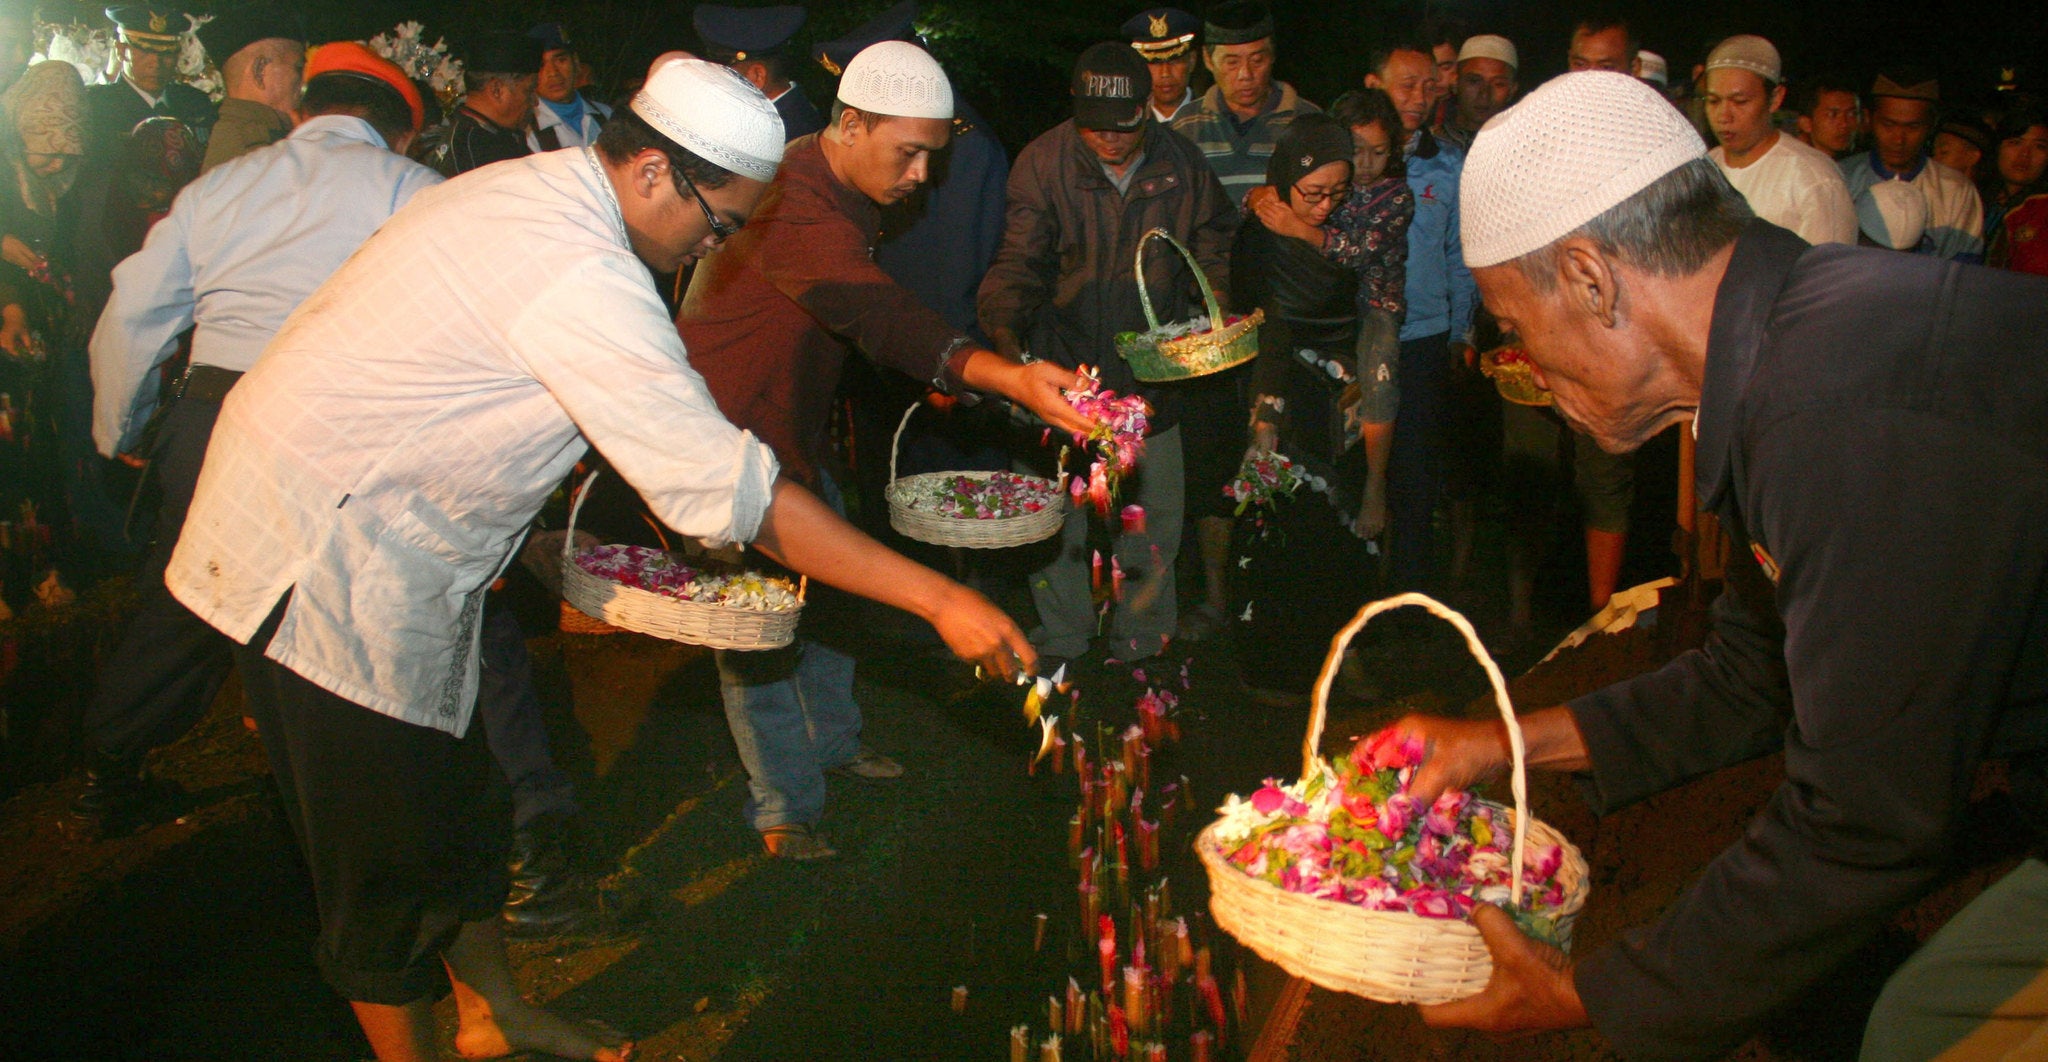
{"points": [[1875, 425]]}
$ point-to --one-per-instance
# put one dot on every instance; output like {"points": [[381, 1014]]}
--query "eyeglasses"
{"points": [[720, 231], [1313, 196]]}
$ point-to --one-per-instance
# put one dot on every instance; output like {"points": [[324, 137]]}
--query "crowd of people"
{"points": [[355, 341]]}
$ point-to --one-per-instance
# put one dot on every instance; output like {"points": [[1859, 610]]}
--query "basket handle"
{"points": [[896, 442], [575, 507], [1201, 280], [1318, 710]]}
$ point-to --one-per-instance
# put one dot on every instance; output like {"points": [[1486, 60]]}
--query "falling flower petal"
{"points": [[1047, 739]]}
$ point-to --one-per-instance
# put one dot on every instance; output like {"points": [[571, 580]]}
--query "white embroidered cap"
{"points": [[1490, 46], [1564, 155], [1747, 51], [713, 112], [897, 78]]}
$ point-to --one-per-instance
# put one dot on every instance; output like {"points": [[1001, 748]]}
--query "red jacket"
{"points": [[770, 316]]}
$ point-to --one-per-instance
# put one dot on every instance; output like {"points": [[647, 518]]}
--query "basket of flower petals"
{"points": [[653, 591], [1342, 879], [981, 510], [1183, 350], [1514, 376]]}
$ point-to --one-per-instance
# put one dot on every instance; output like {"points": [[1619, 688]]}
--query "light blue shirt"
{"points": [[1440, 290], [241, 248]]}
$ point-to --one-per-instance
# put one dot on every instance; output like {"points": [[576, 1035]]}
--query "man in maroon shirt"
{"points": [[769, 319]]}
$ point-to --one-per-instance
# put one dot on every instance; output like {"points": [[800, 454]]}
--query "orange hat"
{"points": [[354, 57]]}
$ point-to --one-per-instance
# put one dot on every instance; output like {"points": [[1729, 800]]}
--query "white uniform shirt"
{"points": [[1796, 186], [384, 457], [1955, 212], [240, 249], [585, 132]]}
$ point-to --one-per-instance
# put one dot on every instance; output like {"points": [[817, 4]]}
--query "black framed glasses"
{"points": [[720, 231], [1313, 196]]}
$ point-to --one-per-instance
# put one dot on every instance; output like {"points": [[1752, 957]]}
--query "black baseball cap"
{"points": [[1111, 82]]}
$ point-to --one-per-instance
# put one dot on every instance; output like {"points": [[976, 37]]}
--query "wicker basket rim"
{"points": [[902, 483], [570, 567]]}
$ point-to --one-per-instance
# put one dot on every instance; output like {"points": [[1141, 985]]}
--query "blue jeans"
{"points": [[792, 716]]}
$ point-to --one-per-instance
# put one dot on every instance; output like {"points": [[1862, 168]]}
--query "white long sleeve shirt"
{"points": [[383, 458], [240, 249], [1796, 186]]}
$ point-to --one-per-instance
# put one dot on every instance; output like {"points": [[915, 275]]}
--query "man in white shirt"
{"points": [[235, 256], [1902, 115], [1788, 183], [372, 475]]}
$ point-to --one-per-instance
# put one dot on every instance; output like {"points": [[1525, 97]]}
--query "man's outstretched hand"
{"points": [[1531, 989], [984, 635], [1035, 385]]}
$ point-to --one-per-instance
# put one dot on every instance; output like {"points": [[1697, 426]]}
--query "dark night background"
{"points": [[1011, 57]]}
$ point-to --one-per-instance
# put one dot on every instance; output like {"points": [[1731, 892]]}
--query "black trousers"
{"points": [[405, 829], [170, 664], [1307, 574]]}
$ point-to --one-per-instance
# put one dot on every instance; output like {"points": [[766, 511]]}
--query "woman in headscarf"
{"points": [[1306, 569], [42, 142]]}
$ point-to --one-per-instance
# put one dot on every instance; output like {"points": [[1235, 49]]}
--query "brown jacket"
{"points": [[1062, 286], [770, 315]]}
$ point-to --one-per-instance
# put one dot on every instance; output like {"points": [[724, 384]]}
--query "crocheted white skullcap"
{"points": [[897, 78], [715, 113], [1490, 46], [1893, 214], [1564, 155], [1747, 51]]}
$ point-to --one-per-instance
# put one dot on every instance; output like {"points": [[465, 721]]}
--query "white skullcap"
{"points": [[715, 113], [1490, 46], [1572, 149], [897, 78], [1893, 214], [1747, 51], [1651, 67]]}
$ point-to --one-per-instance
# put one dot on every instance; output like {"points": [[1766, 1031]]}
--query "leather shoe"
{"points": [[118, 797], [797, 843], [549, 895], [869, 764]]}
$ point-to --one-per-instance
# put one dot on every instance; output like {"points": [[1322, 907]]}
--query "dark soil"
{"points": [[192, 939]]}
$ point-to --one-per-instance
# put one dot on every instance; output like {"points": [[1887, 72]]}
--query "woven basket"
{"points": [[1390, 956], [995, 532], [1515, 380], [646, 612], [1156, 359]]}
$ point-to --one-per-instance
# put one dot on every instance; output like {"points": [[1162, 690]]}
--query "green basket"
{"points": [[1163, 353]]}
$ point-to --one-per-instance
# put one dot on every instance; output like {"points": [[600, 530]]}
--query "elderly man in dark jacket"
{"points": [[1871, 431], [1081, 197]]}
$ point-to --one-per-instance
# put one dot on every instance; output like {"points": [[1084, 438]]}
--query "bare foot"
{"points": [[524, 1027]]}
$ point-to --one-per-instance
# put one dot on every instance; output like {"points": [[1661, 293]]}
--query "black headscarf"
{"points": [[1309, 143]]}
